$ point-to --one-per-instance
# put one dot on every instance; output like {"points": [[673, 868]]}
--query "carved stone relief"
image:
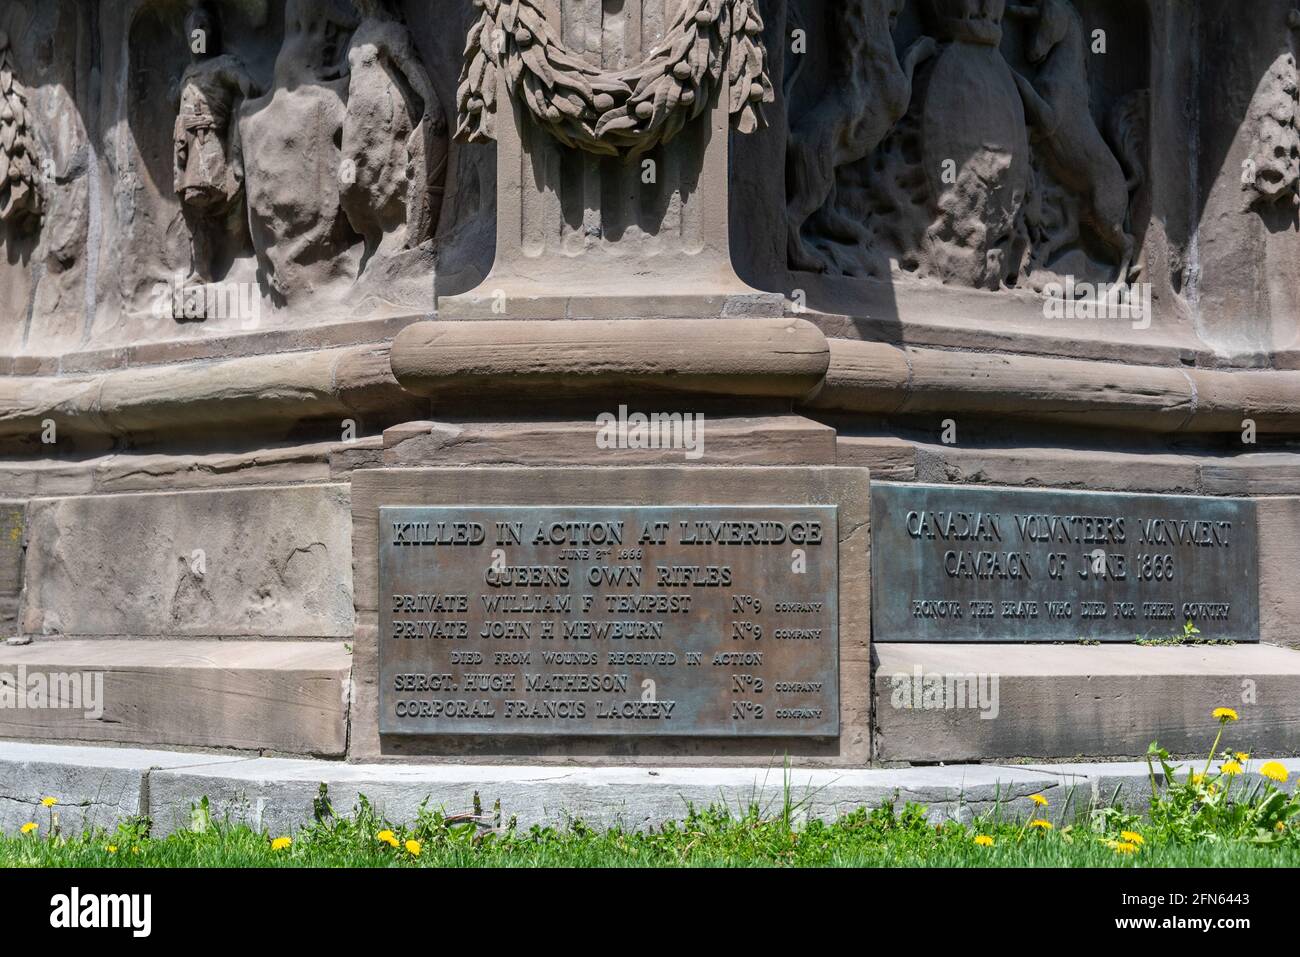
{"points": [[613, 112], [21, 200], [309, 161], [610, 125], [974, 159], [394, 136], [209, 168], [1271, 173]]}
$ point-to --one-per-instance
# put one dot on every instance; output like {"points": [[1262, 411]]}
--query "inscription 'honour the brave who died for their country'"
{"points": [[629, 620], [961, 564]]}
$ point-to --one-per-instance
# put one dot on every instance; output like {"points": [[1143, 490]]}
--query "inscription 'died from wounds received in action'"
{"points": [[711, 621], [963, 564]]}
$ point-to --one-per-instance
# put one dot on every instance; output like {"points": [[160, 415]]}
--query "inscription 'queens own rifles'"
{"points": [[705, 620]]}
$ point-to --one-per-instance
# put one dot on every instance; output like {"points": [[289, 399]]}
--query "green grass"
{"points": [[714, 838]]}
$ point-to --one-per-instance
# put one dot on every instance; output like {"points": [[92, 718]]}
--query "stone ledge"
{"points": [[288, 697], [771, 440], [100, 785], [1090, 701], [224, 346]]}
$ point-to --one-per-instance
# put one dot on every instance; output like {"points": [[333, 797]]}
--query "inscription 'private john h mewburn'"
{"points": [[704, 620]]}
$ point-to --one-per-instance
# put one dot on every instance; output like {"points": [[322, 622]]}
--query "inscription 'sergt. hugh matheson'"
{"points": [[1018, 565], [709, 621]]}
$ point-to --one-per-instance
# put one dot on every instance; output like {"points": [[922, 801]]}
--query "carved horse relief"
{"points": [[871, 91], [953, 162]]}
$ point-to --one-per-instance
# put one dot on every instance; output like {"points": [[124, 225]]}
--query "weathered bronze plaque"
{"points": [[612, 620], [1020, 565]]}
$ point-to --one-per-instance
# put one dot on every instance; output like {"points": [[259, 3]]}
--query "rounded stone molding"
{"points": [[752, 357], [882, 379]]}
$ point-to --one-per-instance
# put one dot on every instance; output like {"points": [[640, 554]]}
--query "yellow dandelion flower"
{"points": [[387, 837], [112, 848], [413, 848], [49, 802], [1225, 715], [1230, 768], [1038, 799], [983, 840], [29, 827], [1042, 825], [1126, 847], [1198, 778], [1274, 771], [1132, 837], [1280, 826], [281, 843], [1242, 756]]}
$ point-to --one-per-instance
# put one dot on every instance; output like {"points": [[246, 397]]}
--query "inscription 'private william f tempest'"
{"points": [[705, 620]]}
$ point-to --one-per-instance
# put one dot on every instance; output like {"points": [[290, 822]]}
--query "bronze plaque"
{"points": [[951, 563], [709, 621]]}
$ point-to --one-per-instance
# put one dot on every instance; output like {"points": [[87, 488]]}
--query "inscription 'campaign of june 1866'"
{"points": [[628, 620], [959, 564]]}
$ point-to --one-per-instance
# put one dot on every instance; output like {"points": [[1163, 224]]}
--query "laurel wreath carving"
{"points": [[614, 113], [20, 174]]}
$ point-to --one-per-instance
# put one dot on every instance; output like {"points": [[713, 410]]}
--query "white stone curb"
{"points": [[101, 786]]}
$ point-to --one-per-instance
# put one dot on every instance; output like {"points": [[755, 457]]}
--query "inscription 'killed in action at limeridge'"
{"points": [[702, 620], [1016, 565]]}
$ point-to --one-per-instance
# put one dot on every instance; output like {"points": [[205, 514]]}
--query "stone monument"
{"points": [[710, 383]]}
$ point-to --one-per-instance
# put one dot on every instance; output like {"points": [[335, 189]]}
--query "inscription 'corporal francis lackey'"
{"points": [[706, 621]]}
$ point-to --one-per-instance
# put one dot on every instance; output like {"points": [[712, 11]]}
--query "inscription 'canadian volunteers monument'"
{"points": [[1046, 566], [671, 621]]}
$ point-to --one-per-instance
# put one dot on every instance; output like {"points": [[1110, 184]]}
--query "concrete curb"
{"points": [[101, 786]]}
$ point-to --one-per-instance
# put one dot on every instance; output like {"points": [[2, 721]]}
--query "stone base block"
{"points": [[995, 702], [257, 562], [284, 697]]}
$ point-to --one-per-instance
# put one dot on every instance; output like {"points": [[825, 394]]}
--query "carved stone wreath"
{"points": [[614, 113], [20, 192]]}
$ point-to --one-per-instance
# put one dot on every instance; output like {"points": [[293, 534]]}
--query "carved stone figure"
{"points": [[394, 135], [292, 155], [975, 148], [209, 168], [1058, 110], [21, 202], [869, 92], [1272, 170]]}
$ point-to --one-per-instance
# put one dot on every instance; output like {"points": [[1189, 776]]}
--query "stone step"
{"points": [[286, 697], [1052, 701]]}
